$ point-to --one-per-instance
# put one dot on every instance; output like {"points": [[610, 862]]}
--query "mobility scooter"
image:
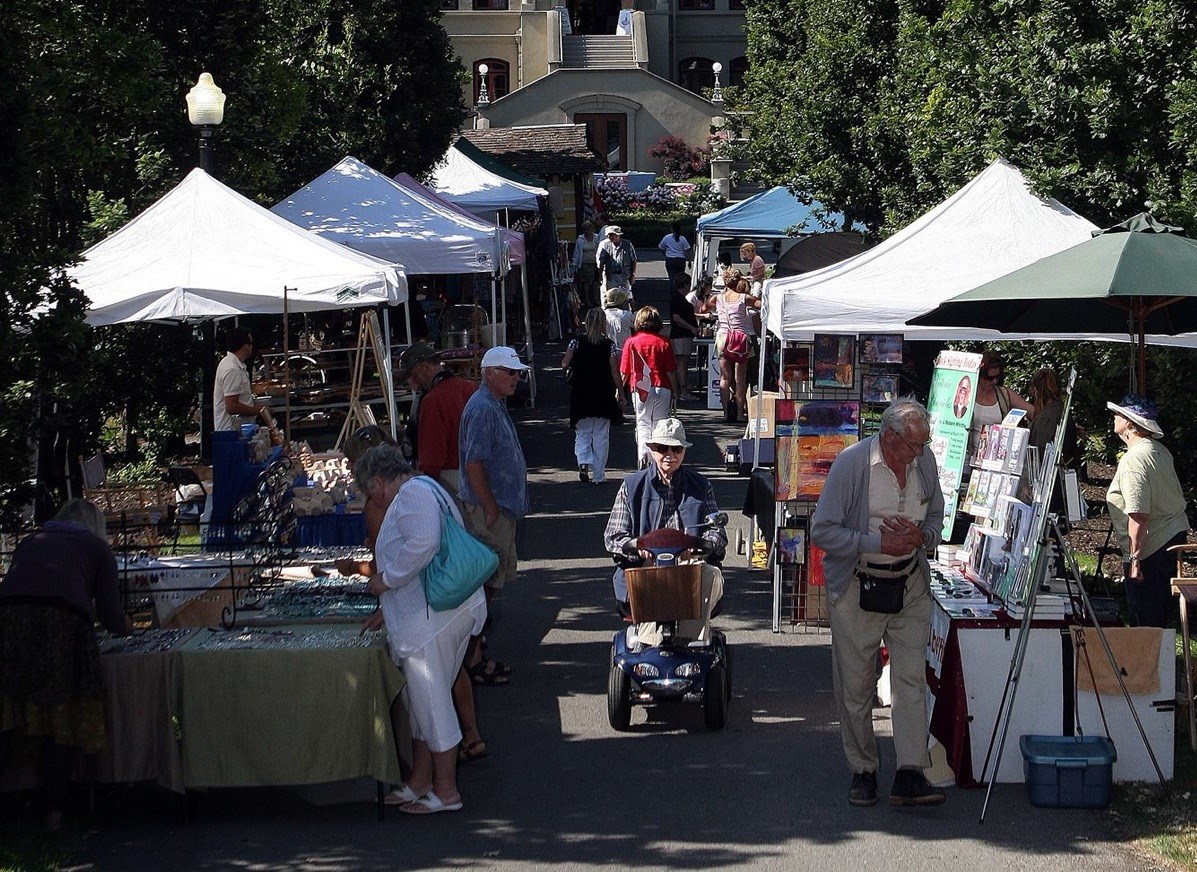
{"points": [[674, 669]]}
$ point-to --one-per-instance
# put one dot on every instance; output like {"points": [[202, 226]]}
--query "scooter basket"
{"points": [[665, 593]]}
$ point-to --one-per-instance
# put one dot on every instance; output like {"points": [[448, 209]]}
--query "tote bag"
{"points": [[460, 566]]}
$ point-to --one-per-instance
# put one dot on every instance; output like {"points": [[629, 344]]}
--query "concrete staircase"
{"points": [[597, 52]]}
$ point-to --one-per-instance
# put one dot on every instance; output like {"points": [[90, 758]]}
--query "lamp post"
{"points": [[205, 110]]}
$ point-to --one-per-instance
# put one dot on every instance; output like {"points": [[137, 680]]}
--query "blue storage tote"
{"points": [[1068, 771]]}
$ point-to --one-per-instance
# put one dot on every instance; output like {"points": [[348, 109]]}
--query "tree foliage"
{"points": [[93, 129], [882, 108]]}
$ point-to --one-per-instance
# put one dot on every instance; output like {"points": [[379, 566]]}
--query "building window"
{"points": [[736, 5], [696, 5], [489, 4], [498, 80], [695, 74], [736, 70]]}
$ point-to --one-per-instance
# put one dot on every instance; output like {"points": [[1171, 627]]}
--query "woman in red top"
{"points": [[648, 370]]}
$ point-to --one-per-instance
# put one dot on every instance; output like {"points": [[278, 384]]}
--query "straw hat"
{"points": [[1139, 411]]}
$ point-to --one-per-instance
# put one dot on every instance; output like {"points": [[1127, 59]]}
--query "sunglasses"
{"points": [[519, 373], [666, 449]]}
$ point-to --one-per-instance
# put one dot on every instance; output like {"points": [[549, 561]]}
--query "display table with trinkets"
{"points": [[206, 707]]}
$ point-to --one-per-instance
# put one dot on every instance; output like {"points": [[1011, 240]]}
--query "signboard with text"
{"points": [[953, 391]]}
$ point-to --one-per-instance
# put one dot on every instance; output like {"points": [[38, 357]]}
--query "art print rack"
{"points": [[832, 393], [1040, 535]]}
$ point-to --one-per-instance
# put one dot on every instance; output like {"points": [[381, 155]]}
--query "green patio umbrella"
{"points": [[1138, 277]]}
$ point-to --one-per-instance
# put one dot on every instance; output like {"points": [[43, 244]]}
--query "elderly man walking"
{"points": [[616, 260], [494, 480], [880, 511]]}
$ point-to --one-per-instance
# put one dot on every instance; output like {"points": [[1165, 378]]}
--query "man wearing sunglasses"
{"points": [[232, 396], [494, 482], [667, 495], [881, 510]]}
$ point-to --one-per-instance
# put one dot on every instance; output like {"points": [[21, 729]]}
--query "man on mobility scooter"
{"points": [[666, 515]]}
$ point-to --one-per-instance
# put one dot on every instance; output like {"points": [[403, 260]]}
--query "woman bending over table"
{"points": [[62, 579], [428, 645]]}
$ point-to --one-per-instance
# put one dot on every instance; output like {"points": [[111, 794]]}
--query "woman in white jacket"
{"points": [[428, 645]]}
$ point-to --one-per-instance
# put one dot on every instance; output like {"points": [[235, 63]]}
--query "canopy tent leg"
{"points": [[528, 336]]}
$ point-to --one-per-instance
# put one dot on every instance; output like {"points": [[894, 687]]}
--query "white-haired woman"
{"points": [[62, 579], [428, 645]]}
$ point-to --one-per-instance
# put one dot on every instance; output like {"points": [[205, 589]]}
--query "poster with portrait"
{"points": [[953, 393], [835, 361], [881, 348]]}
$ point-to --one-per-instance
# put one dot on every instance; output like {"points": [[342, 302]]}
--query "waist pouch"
{"points": [[883, 587]]}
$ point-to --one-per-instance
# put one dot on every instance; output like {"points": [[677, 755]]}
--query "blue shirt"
{"points": [[487, 434]]}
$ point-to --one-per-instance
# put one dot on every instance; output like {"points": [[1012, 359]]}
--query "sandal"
{"points": [[471, 751], [400, 795], [487, 672], [430, 803]]}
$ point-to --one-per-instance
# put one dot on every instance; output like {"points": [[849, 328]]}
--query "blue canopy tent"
{"points": [[772, 214]]}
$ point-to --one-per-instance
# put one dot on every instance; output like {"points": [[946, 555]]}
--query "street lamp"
{"points": [[205, 109], [483, 97], [717, 92]]}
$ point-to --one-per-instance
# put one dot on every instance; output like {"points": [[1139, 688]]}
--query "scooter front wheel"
{"points": [[619, 698]]}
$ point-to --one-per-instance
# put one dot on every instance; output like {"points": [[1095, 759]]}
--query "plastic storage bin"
{"points": [[1068, 771]]}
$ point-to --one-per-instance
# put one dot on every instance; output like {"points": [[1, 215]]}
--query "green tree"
{"points": [[94, 130]]}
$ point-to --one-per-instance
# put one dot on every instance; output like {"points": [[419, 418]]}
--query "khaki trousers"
{"points": [[855, 638]]}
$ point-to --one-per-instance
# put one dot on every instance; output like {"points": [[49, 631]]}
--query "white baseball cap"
{"points": [[502, 356]]}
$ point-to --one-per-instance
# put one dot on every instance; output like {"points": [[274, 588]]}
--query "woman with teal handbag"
{"points": [[429, 587]]}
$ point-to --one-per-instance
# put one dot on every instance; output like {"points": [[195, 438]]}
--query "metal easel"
{"points": [[1030, 571]]}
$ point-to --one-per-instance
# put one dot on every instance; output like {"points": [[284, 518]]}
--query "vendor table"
{"points": [[188, 590], [206, 708], [289, 706], [968, 661]]}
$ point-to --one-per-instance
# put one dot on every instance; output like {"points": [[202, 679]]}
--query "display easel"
{"points": [[1031, 568], [369, 339]]}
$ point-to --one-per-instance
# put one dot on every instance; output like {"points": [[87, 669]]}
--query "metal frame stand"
{"points": [[1036, 565]]}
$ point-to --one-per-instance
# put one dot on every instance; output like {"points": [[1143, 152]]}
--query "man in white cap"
{"points": [[494, 480], [666, 495], [616, 259]]}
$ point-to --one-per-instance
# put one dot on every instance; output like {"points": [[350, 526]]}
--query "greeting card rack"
{"points": [[832, 393]]}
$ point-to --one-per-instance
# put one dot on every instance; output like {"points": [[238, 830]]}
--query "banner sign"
{"points": [[953, 392]]}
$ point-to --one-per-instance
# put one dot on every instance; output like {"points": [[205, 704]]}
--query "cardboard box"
{"points": [[767, 404]]}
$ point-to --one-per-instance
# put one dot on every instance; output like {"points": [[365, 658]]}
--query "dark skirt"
{"points": [[51, 683]]}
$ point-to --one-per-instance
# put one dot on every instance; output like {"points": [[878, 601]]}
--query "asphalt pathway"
{"points": [[561, 790]]}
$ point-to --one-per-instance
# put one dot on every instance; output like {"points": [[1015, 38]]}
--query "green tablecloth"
{"points": [[258, 717]]}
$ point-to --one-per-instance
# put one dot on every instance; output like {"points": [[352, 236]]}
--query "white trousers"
{"points": [[430, 673], [591, 441], [654, 408]]}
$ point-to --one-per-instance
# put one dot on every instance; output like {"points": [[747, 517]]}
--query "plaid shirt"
{"points": [[621, 524]]}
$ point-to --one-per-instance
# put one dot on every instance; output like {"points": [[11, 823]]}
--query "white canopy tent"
{"points": [[361, 208], [203, 251], [513, 240], [990, 227], [461, 180]]}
